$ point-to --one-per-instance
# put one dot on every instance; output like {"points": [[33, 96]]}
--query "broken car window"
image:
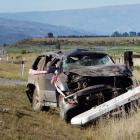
{"points": [[86, 60]]}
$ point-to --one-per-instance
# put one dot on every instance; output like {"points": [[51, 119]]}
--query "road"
{"points": [[4, 81]]}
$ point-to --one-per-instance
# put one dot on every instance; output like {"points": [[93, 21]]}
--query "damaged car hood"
{"points": [[102, 70]]}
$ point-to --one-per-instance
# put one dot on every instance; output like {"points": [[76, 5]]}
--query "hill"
{"points": [[13, 30], [103, 20]]}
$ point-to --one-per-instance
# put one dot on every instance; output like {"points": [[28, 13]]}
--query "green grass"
{"points": [[19, 122]]}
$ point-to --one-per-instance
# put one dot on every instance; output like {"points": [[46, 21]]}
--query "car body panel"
{"points": [[77, 73]]}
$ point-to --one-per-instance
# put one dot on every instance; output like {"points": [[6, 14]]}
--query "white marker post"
{"points": [[106, 107], [7, 57], [22, 67]]}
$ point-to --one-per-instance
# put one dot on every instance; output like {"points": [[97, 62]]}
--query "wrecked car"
{"points": [[75, 81]]}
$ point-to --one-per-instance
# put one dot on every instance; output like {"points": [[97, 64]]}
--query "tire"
{"points": [[36, 103], [29, 94]]}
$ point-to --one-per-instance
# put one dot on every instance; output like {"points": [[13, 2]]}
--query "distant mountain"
{"points": [[13, 30], [103, 20]]}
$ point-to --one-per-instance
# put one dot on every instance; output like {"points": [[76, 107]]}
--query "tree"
{"points": [[138, 34], [125, 34], [5, 45], [50, 35], [132, 33], [116, 34]]}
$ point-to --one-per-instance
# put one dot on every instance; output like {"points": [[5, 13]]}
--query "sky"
{"points": [[46, 5]]}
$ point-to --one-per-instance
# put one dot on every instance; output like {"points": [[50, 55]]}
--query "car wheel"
{"points": [[36, 103]]}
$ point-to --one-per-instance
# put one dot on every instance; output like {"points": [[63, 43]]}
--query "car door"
{"points": [[44, 81]]}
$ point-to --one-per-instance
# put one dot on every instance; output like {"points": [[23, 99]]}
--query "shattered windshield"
{"points": [[86, 60]]}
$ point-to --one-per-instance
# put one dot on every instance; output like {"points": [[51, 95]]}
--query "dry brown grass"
{"points": [[19, 122], [86, 41], [124, 129], [8, 70], [89, 39], [13, 70]]}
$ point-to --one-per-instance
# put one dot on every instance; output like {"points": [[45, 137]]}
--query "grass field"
{"points": [[19, 122], [109, 44], [30, 48], [12, 70], [99, 41]]}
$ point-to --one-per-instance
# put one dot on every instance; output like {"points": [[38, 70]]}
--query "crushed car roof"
{"points": [[75, 52]]}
